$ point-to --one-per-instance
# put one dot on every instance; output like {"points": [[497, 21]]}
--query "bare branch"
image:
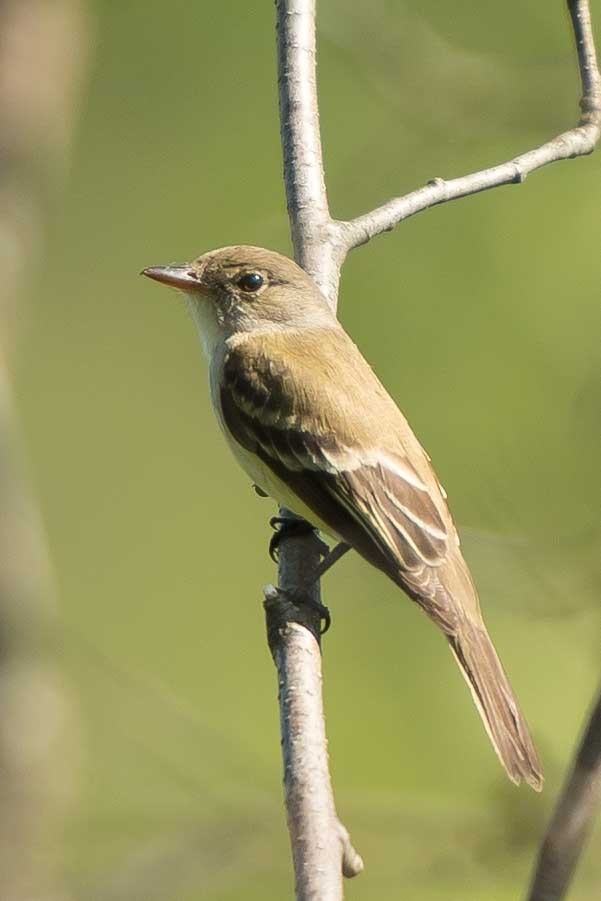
{"points": [[310, 220], [299, 115], [572, 819], [578, 141], [321, 848]]}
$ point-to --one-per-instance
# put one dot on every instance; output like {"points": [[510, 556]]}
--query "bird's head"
{"points": [[244, 289]]}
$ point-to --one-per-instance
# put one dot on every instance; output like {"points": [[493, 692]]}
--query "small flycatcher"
{"points": [[313, 427]]}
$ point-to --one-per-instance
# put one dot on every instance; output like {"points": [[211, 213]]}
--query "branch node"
{"points": [[590, 105], [519, 176], [441, 191]]}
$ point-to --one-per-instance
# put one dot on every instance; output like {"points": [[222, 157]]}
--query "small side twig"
{"points": [[572, 819], [577, 141]]}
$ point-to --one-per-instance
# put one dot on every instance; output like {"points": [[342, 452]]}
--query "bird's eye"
{"points": [[250, 282]]}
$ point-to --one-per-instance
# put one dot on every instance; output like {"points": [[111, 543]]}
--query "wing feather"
{"points": [[375, 500]]}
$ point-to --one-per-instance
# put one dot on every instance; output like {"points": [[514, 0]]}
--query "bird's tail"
{"points": [[503, 720]]}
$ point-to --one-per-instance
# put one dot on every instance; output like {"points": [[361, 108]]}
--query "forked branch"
{"points": [[321, 848], [577, 141]]}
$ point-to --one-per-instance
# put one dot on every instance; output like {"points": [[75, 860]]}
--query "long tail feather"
{"points": [[503, 720]]}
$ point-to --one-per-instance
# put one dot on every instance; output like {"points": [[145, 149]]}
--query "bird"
{"points": [[314, 428]]}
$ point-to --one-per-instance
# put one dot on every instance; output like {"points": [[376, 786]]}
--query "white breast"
{"points": [[213, 342], [261, 475]]}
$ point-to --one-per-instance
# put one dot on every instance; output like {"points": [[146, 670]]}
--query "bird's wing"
{"points": [[337, 461]]}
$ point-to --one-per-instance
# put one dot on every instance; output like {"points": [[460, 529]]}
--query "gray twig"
{"points": [[577, 141], [572, 819], [321, 848]]}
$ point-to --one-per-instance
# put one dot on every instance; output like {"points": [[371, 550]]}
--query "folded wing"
{"points": [[364, 494]]}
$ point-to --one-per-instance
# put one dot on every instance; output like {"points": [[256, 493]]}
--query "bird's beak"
{"points": [[183, 277]]}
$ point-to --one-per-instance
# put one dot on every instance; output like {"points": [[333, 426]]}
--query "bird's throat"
{"points": [[210, 330]]}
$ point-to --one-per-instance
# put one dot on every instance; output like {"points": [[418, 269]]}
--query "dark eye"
{"points": [[250, 282]]}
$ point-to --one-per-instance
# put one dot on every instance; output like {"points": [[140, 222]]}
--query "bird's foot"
{"points": [[302, 595], [286, 527], [300, 598]]}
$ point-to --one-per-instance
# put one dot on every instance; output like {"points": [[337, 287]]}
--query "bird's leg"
{"points": [[287, 527], [330, 558]]}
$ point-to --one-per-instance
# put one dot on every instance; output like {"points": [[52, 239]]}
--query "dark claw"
{"points": [[301, 600], [287, 528], [327, 619], [277, 524], [274, 543]]}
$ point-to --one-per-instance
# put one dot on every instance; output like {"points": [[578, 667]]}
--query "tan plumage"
{"points": [[312, 425]]}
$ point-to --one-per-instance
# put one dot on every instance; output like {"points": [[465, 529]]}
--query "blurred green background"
{"points": [[483, 319]]}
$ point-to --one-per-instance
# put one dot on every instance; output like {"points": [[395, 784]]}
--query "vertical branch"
{"points": [[299, 118], [321, 848], [590, 104], [310, 221], [36, 111], [572, 819]]}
